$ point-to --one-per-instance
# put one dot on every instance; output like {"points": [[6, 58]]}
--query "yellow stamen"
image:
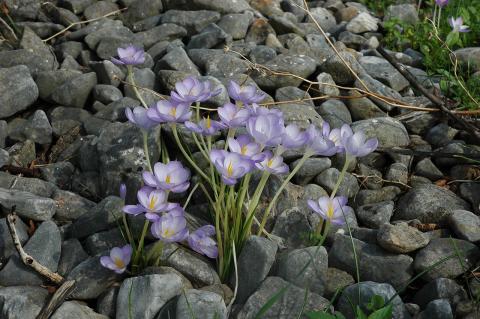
{"points": [[230, 169], [243, 150], [167, 233], [152, 203], [173, 111], [270, 162], [330, 211], [167, 179], [119, 263], [209, 122]]}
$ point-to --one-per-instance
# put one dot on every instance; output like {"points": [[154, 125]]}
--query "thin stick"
{"points": [[435, 100], [57, 299], [71, 25], [26, 258], [9, 28]]}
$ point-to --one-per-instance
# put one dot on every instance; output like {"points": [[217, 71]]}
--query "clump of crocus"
{"points": [[169, 111], [130, 55], [205, 127], [139, 117], [171, 227], [331, 210], [457, 25], [246, 94], [231, 166], [193, 90], [118, 259], [171, 177]]}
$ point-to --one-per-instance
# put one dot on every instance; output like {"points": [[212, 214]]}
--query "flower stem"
{"points": [[145, 149], [130, 76], [348, 159], [253, 204], [139, 250], [302, 161], [185, 154]]}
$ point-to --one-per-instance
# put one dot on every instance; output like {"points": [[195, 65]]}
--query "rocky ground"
{"points": [[65, 147]]}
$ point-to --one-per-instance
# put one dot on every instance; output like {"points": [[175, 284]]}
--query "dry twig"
{"points": [[57, 299], [26, 258]]}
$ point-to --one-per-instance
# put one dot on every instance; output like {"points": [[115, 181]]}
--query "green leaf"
{"points": [[452, 38], [383, 313], [360, 314], [271, 302], [324, 315], [376, 302]]}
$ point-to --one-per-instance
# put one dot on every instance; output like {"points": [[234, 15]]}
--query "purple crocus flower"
{"points": [[329, 209], [246, 94], [256, 110], [123, 191], [170, 177], [171, 227], [355, 144], [320, 144], [170, 112], [139, 117], [266, 129], [293, 137], [130, 55], [192, 90], [150, 201], [272, 164], [233, 116], [457, 25], [201, 241], [231, 166], [245, 146], [205, 126], [118, 260], [441, 3]]}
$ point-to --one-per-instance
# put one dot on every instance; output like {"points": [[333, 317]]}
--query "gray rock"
{"points": [[36, 62], [388, 131], [335, 281], [72, 255], [289, 305], [381, 70], [335, 113], [74, 93], [199, 271], [22, 154], [299, 65], [102, 242], [428, 203], [91, 279], [177, 60], [106, 93], [106, 302], [151, 293], [397, 174], [375, 264], [440, 288], [107, 72], [209, 304], [236, 24], [370, 177], [59, 173], [440, 248], [323, 17], [36, 129], [291, 225], [262, 54], [375, 215], [254, 263], [76, 6], [465, 224], [368, 289], [311, 168], [18, 90], [193, 21], [401, 238], [406, 13], [164, 32], [363, 22], [362, 108], [328, 178], [327, 85], [6, 244], [305, 268], [141, 10], [22, 302], [143, 78], [300, 113], [426, 168], [469, 57], [101, 217], [469, 192], [72, 309], [377, 86], [225, 66], [440, 134], [98, 9], [439, 308], [44, 246], [4, 157], [35, 186], [210, 37], [28, 205], [334, 66], [214, 5], [3, 132]]}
